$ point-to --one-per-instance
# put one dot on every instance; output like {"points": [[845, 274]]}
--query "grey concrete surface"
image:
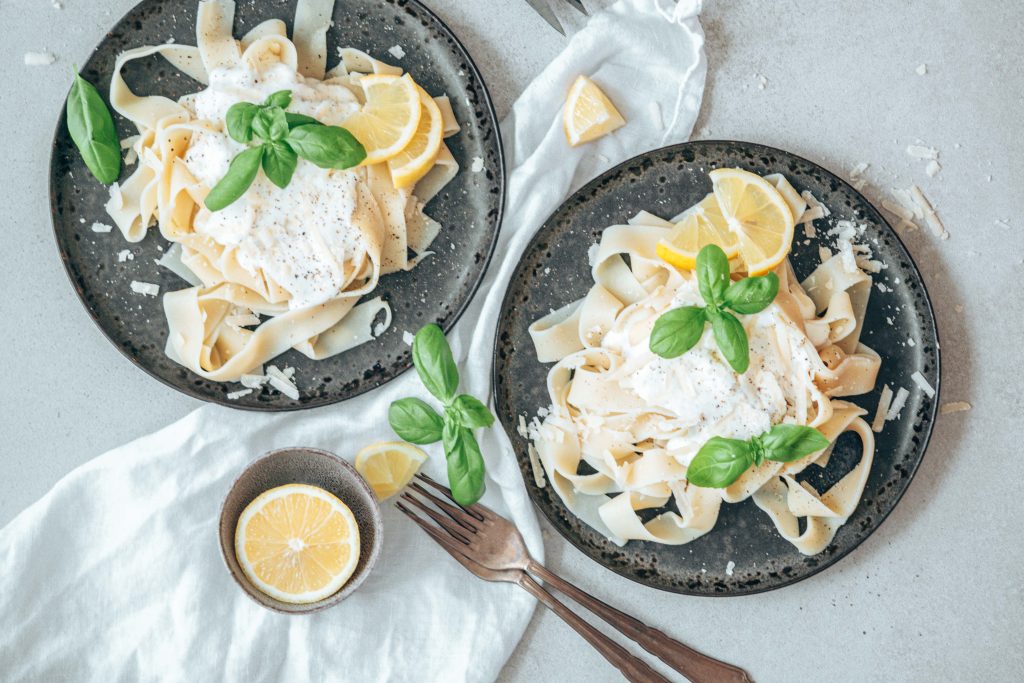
{"points": [[936, 593]]}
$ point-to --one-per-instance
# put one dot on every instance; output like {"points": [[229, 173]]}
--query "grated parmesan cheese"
{"points": [[478, 165], [921, 382], [101, 227], [408, 337], [824, 253], [535, 466], [233, 395], [253, 381], [921, 69], [147, 288], [897, 209], [933, 168], [884, 401], [396, 51], [955, 407], [125, 255], [897, 404], [729, 568]]}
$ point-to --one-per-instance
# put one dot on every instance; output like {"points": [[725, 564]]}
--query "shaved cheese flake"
{"points": [[521, 429], [921, 382], [396, 51], [930, 217], [955, 407], [535, 466], [859, 169], [922, 152], [933, 168], [280, 381], [906, 225], [171, 260], [824, 253], [125, 255], [39, 58], [101, 227], [253, 381], [233, 395], [408, 337], [921, 69], [897, 404], [884, 401], [147, 288], [897, 209]]}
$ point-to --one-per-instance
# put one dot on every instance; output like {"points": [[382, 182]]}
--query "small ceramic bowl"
{"points": [[303, 466]]}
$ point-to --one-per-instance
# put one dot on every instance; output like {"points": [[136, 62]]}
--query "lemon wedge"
{"points": [[387, 466], [389, 119], [418, 157], [701, 225], [589, 114], [297, 543], [759, 216]]}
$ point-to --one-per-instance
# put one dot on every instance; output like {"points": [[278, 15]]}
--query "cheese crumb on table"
{"points": [[39, 58], [955, 407]]}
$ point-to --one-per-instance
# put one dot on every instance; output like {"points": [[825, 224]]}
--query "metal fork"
{"points": [[542, 8], [480, 536]]}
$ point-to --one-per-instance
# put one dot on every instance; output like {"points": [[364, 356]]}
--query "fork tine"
{"points": [[578, 4], [476, 510], [542, 8], [456, 512], [445, 541], [452, 527]]}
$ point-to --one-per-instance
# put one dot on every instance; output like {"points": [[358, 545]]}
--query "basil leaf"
{"points": [[712, 274], [718, 463], [281, 98], [327, 146], [239, 121], [279, 163], [471, 412], [295, 120], [433, 360], [236, 181], [731, 339], [785, 442], [677, 331], [465, 464], [92, 130], [415, 421], [270, 125], [752, 294]]}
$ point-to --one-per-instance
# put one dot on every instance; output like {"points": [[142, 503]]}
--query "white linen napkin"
{"points": [[116, 574]]}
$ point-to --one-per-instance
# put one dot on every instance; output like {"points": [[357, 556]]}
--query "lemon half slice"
{"points": [[297, 543], [701, 225], [418, 157], [388, 121], [589, 114], [757, 214], [388, 466]]}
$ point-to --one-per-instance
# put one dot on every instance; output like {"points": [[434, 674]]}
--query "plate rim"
{"points": [[501, 177], [929, 427]]}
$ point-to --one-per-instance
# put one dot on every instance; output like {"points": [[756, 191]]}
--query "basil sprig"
{"points": [[280, 139], [679, 330], [416, 422], [92, 130], [721, 461]]}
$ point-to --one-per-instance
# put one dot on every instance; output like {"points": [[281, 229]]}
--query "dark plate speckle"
{"points": [[437, 290], [554, 271]]}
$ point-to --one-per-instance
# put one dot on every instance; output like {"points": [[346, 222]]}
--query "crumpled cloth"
{"points": [[116, 573]]}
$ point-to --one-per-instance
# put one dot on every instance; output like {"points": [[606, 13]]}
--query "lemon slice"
{"points": [[757, 214], [387, 466], [701, 225], [418, 157], [297, 543], [388, 121], [589, 113]]}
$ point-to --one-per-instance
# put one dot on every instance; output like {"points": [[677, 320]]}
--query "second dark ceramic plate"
{"points": [[744, 553], [437, 290]]}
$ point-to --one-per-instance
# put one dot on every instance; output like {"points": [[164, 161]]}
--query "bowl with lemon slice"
{"points": [[300, 530]]}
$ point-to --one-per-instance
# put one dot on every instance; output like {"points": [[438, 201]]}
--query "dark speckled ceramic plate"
{"points": [[437, 290], [900, 325]]}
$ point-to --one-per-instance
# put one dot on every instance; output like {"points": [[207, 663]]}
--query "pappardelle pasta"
{"points": [[281, 267], [624, 423]]}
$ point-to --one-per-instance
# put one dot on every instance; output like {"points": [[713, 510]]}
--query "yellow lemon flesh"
{"points": [[418, 157], [388, 121], [388, 466], [701, 225], [589, 114], [759, 216], [297, 543]]}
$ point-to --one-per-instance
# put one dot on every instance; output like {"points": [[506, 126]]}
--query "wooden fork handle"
{"points": [[633, 668], [696, 666]]}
